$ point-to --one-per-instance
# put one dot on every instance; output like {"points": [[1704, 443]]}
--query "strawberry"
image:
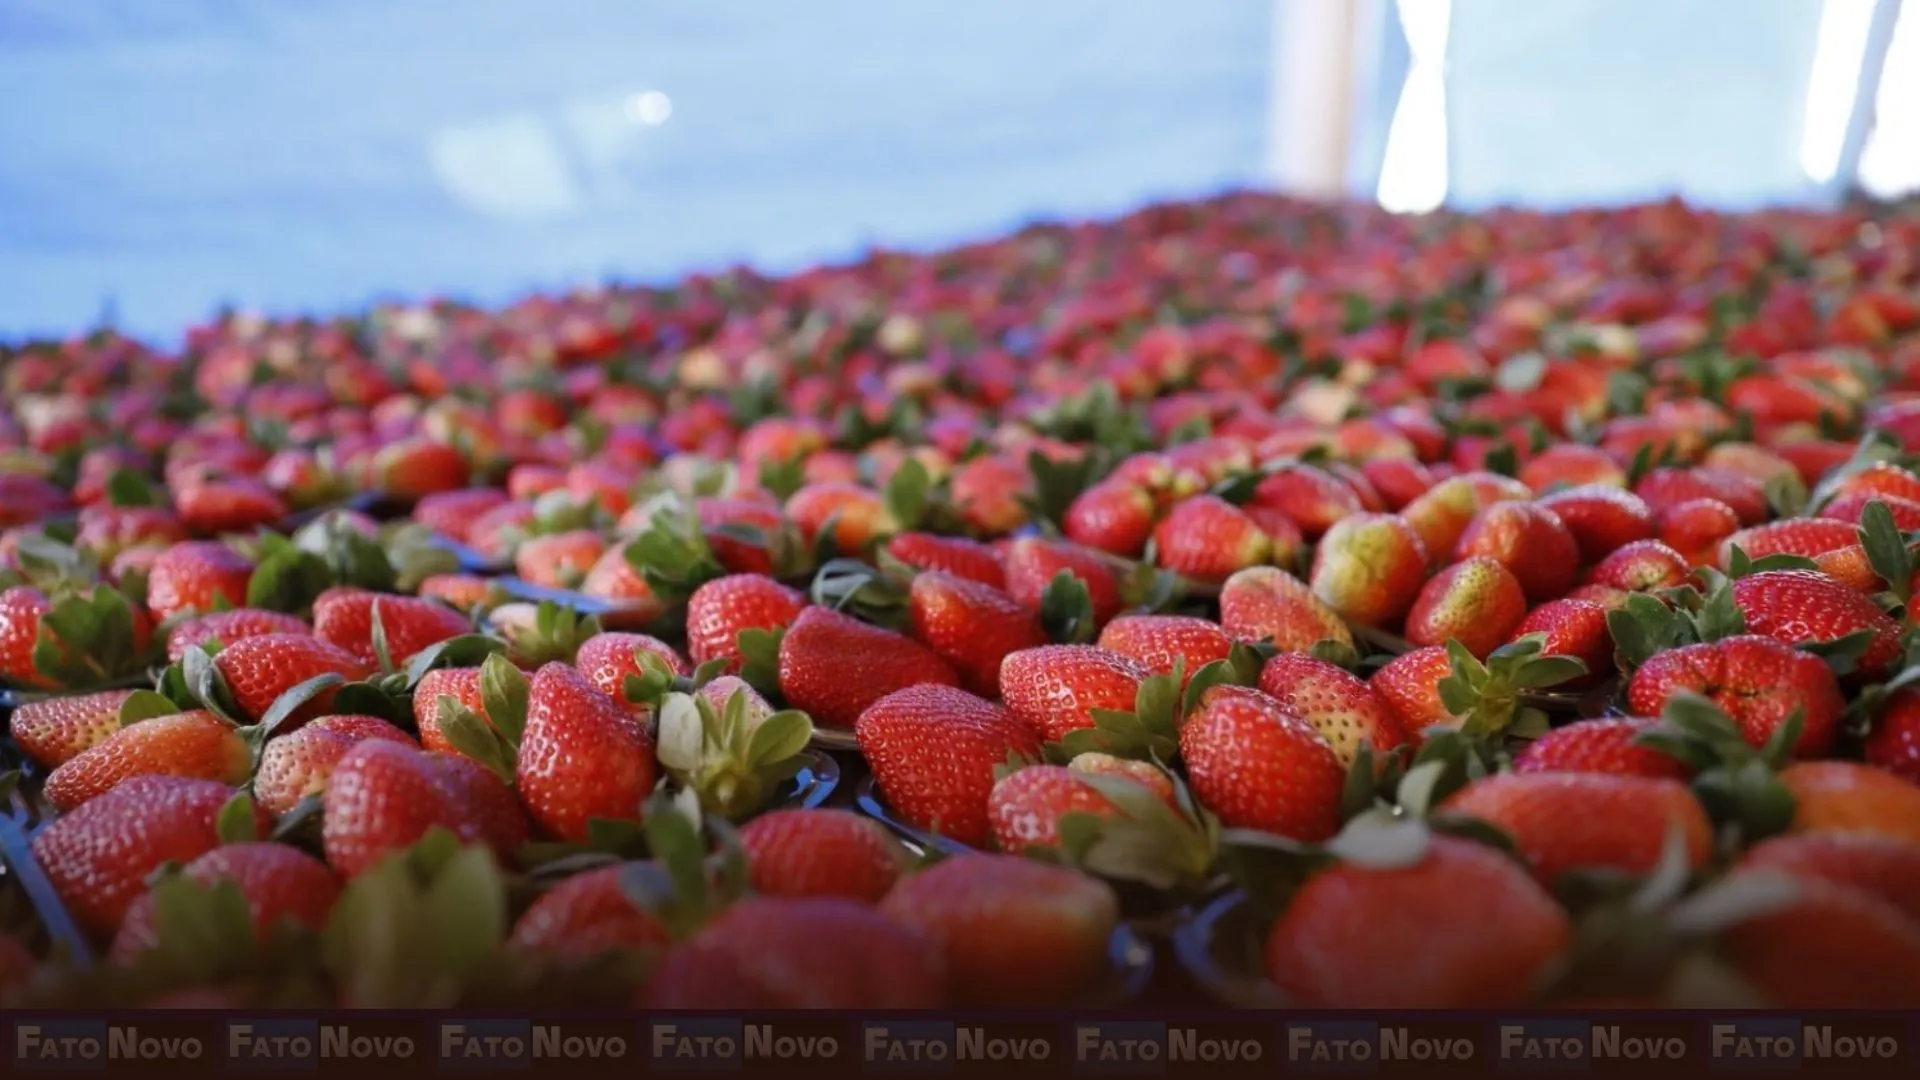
{"points": [[1529, 541], [1313, 499], [415, 467], [1339, 705], [1398, 481], [54, 730], [1258, 766], [1369, 568], [857, 516], [460, 684], [1565, 821], [1805, 537], [955, 555], [1827, 947], [1026, 806], [1055, 689], [1846, 796], [1756, 681], [581, 755], [1878, 478], [98, 857], [75, 641], [1605, 745], [1157, 642], [1476, 602], [1601, 519], [606, 659], [987, 491], [107, 531], [1207, 539], [199, 575], [832, 666], [1265, 603], [452, 513], [752, 956], [1664, 488], [280, 884], [719, 610], [1795, 606], [1571, 465], [1359, 936], [821, 853], [1113, 516], [257, 670], [1850, 567], [344, 618], [933, 749], [297, 765], [384, 796], [1032, 563], [1440, 516], [970, 626], [462, 592], [746, 536], [227, 627], [1012, 931], [227, 506], [1642, 566], [1893, 744], [587, 914], [1849, 507], [1448, 686], [1576, 628], [559, 560], [1882, 866], [196, 744], [1697, 528]]}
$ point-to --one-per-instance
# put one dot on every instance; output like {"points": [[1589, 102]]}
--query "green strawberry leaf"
{"points": [[208, 688], [382, 651], [367, 699], [296, 697], [467, 650], [1066, 610], [504, 695], [236, 823], [465, 904], [1887, 551], [474, 738], [760, 655], [1786, 494], [907, 493], [779, 737], [129, 487], [1842, 654], [145, 705]]}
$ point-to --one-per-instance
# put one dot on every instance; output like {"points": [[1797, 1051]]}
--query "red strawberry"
{"points": [[1112, 516], [1849, 507], [1576, 628], [227, 627], [452, 513], [200, 575], [1893, 745], [1409, 686], [1529, 541], [858, 516], [718, 610], [1369, 568], [98, 857], [418, 466], [460, 684], [1265, 603], [1158, 641], [1604, 745], [1440, 516], [1879, 478], [1207, 538], [462, 592], [1883, 866], [832, 666], [581, 755], [752, 954], [1572, 465], [1756, 681], [197, 744], [1258, 766], [971, 626], [1032, 564], [1055, 689], [54, 730], [587, 914], [1339, 704], [606, 659], [280, 883], [384, 796], [821, 853], [1806, 537], [227, 506], [1697, 528], [1600, 518], [1477, 602], [559, 560], [1829, 947], [1795, 606], [1026, 806], [1661, 489], [1362, 937], [344, 617], [933, 751], [955, 555], [1013, 931], [1312, 498], [259, 669], [298, 764], [1642, 566], [1564, 821]]}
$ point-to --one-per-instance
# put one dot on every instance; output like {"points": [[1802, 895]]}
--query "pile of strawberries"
{"points": [[1361, 611]]}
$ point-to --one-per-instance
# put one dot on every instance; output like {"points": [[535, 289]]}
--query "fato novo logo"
{"points": [[725, 1044], [1769, 1043], [1554, 1043], [1350, 1046], [87, 1043], [516, 1043], [934, 1046], [268, 1041]]}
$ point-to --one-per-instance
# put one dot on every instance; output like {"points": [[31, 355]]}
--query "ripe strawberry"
{"points": [[1265, 603], [227, 506], [1850, 567], [461, 592], [1258, 766], [1113, 516], [1756, 681], [54, 730], [1409, 686], [1158, 641], [1032, 564], [298, 764], [559, 560], [613, 577], [197, 744], [413, 467], [1207, 539], [452, 513], [1398, 481], [1313, 499], [987, 492], [107, 531], [581, 755], [1806, 537], [344, 618], [1576, 628], [955, 555], [1363, 937], [1369, 568], [1601, 518], [832, 666], [1477, 602], [1879, 478], [970, 626], [933, 750], [1846, 796], [1565, 821], [1893, 745], [279, 882], [1642, 566], [228, 627], [1026, 806], [98, 857], [1795, 606], [1882, 866], [821, 853], [460, 684], [200, 575], [585, 915], [1440, 516], [1663, 488], [384, 796], [727, 525], [858, 516], [1569, 465], [1339, 704], [749, 956], [1849, 507], [606, 659], [1830, 947], [718, 610], [1529, 541], [1013, 931], [1697, 528], [1604, 745], [259, 669], [1054, 689]]}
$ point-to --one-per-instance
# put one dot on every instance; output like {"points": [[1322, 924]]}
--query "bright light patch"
{"points": [[651, 108], [1890, 163], [1837, 55], [1413, 174]]}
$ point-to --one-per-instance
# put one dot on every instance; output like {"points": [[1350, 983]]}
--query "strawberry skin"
{"points": [[799, 953], [718, 610], [1054, 689], [384, 796], [1207, 538], [1026, 806], [259, 669], [460, 684], [1603, 745], [1369, 568], [1465, 927], [1830, 947], [21, 609], [607, 659], [613, 577], [1805, 537], [559, 560], [1642, 566], [1156, 642], [299, 764], [821, 852], [1756, 681], [1794, 606], [1113, 516], [587, 914], [98, 857], [1258, 766], [832, 666], [227, 627], [452, 513], [1576, 628], [279, 882], [971, 626], [1477, 602], [1563, 821], [54, 730], [1409, 686], [582, 756], [1847, 796], [1013, 931], [197, 745], [1602, 519], [1313, 499], [955, 555], [344, 618], [1265, 603], [1339, 704], [1893, 744], [933, 750], [1886, 867], [1529, 541], [1032, 563], [199, 575]]}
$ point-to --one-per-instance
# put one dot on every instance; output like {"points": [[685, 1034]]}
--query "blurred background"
{"points": [[160, 160]]}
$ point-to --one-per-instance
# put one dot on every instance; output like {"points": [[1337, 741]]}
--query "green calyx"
{"points": [[865, 592], [696, 871], [492, 739], [1150, 732], [87, 640], [760, 658], [672, 554], [1144, 839], [657, 679], [1487, 697], [733, 756], [1737, 783], [546, 633]]}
